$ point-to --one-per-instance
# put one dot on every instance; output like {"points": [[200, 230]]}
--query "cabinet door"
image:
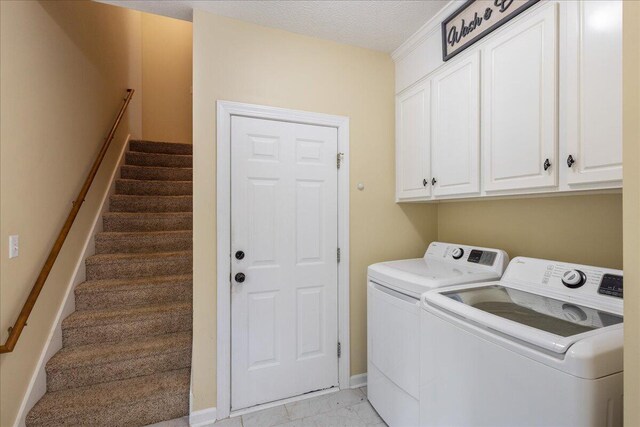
{"points": [[519, 134], [593, 92], [412, 144], [455, 130]]}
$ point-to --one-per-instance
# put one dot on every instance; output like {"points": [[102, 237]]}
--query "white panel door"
{"points": [[519, 104], [412, 144], [593, 81], [455, 124], [284, 329]]}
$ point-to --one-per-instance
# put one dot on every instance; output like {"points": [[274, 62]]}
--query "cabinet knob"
{"points": [[433, 181], [570, 160], [546, 164], [424, 182], [240, 277], [239, 255]]}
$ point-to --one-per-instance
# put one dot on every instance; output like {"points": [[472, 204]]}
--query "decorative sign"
{"points": [[474, 20]]}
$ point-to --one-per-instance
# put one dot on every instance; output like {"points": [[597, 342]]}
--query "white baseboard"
{"points": [[202, 418], [358, 381], [38, 383]]}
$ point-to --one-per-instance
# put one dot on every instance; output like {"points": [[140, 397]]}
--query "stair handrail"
{"points": [[21, 321]]}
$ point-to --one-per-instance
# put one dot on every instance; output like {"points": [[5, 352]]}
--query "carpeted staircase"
{"points": [[126, 352]]}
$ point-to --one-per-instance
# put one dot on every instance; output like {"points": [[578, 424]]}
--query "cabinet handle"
{"points": [[546, 164], [433, 181], [570, 160], [424, 182]]}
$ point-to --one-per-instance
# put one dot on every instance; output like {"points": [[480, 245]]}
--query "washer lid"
{"points": [[416, 276], [540, 320]]}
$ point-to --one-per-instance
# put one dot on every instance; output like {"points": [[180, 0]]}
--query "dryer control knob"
{"points": [[574, 278], [457, 253]]}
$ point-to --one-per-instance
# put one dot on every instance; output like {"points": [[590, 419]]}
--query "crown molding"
{"points": [[431, 26]]}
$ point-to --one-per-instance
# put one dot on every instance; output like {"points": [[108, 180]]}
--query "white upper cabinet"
{"points": [[412, 144], [519, 136], [455, 128], [592, 93], [534, 107]]}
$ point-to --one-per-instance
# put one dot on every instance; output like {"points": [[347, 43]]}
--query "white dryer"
{"points": [[541, 347], [393, 320]]}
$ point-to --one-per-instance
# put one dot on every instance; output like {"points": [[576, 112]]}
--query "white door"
{"points": [[519, 104], [593, 92], [284, 218], [455, 141], [413, 174]]}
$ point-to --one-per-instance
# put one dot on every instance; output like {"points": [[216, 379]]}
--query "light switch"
{"points": [[13, 246]]}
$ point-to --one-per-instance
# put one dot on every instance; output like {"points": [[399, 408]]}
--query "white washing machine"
{"points": [[541, 347], [393, 320]]}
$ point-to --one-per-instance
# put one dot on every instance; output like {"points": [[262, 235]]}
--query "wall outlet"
{"points": [[14, 246]]}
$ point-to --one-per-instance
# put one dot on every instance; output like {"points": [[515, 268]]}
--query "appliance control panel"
{"points": [[611, 284], [587, 283], [485, 258], [482, 257]]}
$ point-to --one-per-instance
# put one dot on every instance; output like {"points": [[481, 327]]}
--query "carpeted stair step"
{"points": [[161, 147], [126, 323], [124, 266], [99, 363], [156, 159], [156, 221], [115, 293], [126, 203], [154, 188], [133, 402], [156, 173], [126, 350], [143, 241]]}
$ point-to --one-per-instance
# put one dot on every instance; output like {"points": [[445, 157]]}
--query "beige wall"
{"points": [[64, 67], [166, 78], [580, 229], [243, 62], [631, 134]]}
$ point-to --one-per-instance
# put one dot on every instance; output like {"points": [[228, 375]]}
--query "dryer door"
{"points": [[394, 354]]}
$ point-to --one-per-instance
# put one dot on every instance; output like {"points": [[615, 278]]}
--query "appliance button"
{"points": [[457, 253], [574, 278]]}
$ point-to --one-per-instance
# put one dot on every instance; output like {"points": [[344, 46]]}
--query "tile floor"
{"points": [[345, 408]]}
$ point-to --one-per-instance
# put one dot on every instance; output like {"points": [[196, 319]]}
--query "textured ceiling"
{"points": [[379, 25]]}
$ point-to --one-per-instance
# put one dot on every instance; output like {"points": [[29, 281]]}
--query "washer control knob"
{"points": [[457, 253], [574, 278]]}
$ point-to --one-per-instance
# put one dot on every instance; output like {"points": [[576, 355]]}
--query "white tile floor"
{"points": [[345, 408]]}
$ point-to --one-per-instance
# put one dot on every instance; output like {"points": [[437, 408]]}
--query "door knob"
{"points": [[433, 181], [240, 277], [570, 160], [546, 164], [424, 182], [239, 255]]}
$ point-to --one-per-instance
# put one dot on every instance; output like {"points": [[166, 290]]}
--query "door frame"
{"points": [[225, 110]]}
